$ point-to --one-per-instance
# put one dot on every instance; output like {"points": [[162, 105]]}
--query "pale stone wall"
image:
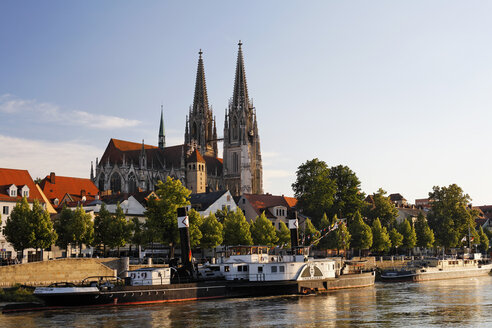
{"points": [[48, 272]]}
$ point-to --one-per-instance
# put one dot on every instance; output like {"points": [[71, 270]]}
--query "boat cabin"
{"points": [[256, 263], [150, 276]]}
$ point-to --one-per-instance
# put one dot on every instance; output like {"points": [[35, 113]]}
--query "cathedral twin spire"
{"points": [[240, 96], [200, 131]]}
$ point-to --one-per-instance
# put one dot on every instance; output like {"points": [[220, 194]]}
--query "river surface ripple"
{"points": [[447, 303]]}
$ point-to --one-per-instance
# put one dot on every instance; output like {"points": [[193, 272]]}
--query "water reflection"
{"points": [[448, 303]]}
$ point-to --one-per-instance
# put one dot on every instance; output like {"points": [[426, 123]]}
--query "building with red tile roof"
{"points": [[60, 189], [14, 185], [276, 208]]}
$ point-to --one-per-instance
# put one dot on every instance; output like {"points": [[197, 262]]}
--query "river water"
{"points": [[447, 303]]}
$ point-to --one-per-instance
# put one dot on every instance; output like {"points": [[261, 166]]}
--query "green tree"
{"points": [[425, 235], [484, 240], [102, 226], [120, 229], [283, 235], [348, 198], [409, 235], [61, 224], [29, 228], [450, 216], [381, 208], [139, 234], [18, 228], [236, 229], [212, 232], [396, 239], [328, 241], [196, 221], [310, 233], [44, 234], [314, 189], [263, 232], [82, 228], [342, 237], [381, 241], [361, 233], [222, 214], [162, 217]]}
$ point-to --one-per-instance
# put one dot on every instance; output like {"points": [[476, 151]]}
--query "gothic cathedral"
{"points": [[129, 167]]}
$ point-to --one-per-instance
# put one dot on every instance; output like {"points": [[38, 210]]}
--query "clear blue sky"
{"points": [[398, 91]]}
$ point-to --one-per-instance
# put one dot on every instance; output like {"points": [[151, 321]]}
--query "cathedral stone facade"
{"points": [[128, 166]]}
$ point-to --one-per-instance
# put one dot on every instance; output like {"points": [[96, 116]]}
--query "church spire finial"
{"points": [[162, 136]]}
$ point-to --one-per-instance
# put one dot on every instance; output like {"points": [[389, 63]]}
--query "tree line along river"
{"points": [[447, 303]]}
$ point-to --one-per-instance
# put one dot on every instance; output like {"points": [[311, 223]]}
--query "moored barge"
{"points": [[439, 269]]}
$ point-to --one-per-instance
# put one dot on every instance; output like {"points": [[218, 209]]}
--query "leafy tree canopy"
{"points": [[196, 221], [425, 235], [311, 234], [212, 232], [18, 230], [119, 229], [236, 229], [396, 238], [162, 217], [314, 189], [361, 233], [409, 235], [450, 218], [283, 235], [263, 232], [381, 241], [342, 237], [348, 198], [382, 208], [29, 228], [484, 240]]}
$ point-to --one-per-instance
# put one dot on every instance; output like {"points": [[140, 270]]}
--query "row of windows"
{"points": [[280, 212], [201, 167], [273, 269]]}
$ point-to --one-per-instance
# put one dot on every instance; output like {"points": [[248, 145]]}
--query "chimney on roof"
{"points": [[82, 193], [52, 177]]}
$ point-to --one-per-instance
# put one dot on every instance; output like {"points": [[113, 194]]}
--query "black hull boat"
{"points": [[120, 295]]}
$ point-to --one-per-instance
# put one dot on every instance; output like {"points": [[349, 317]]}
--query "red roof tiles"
{"points": [[19, 178], [262, 202], [196, 157], [67, 185]]}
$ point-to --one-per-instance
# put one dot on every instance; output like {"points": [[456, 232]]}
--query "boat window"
{"points": [[226, 268], [240, 268], [260, 269], [274, 269], [245, 268], [281, 268]]}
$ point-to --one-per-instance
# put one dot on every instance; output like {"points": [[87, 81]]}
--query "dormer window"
{"points": [[56, 202], [25, 191], [13, 190]]}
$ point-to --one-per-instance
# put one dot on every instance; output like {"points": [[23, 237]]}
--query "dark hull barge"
{"points": [[135, 295]]}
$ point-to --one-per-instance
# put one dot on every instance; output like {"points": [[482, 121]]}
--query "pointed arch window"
{"points": [[132, 183], [194, 131], [235, 129], [115, 183], [102, 180]]}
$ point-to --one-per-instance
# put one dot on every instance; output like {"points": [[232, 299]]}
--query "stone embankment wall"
{"points": [[47, 272]]}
